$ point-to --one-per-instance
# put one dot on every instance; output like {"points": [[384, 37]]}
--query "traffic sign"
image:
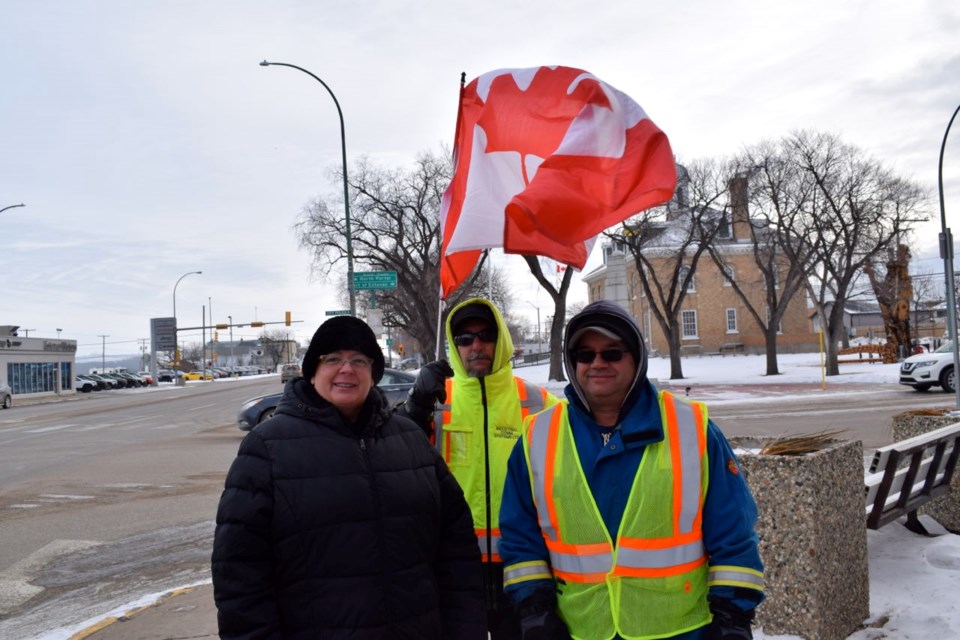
{"points": [[163, 334], [339, 312], [375, 280]]}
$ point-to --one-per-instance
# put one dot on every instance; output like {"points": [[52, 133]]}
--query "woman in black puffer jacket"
{"points": [[339, 520]]}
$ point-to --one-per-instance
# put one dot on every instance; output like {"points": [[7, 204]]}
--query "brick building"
{"points": [[713, 318]]}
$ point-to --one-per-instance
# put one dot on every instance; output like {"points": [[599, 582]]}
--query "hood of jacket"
{"points": [[503, 354], [610, 316]]}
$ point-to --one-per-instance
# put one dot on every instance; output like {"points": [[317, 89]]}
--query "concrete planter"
{"points": [[813, 539], [946, 508]]}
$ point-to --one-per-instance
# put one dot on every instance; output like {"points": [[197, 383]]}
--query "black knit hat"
{"points": [[343, 333]]}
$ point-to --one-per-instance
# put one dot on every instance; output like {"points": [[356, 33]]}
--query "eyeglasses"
{"points": [[332, 361], [587, 356], [466, 339]]}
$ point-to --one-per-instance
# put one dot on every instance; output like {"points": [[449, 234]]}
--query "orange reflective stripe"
{"points": [[446, 447], [702, 448], [675, 460], [494, 546], [661, 543], [665, 572], [552, 438], [584, 578], [579, 549]]}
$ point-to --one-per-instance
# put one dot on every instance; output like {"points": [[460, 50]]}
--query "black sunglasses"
{"points": [[587, 356], [466, 339]]}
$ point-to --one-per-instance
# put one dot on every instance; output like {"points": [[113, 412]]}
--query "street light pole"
{"points": [[946, 252], [346, 191], [13, 206], [189, 273]]}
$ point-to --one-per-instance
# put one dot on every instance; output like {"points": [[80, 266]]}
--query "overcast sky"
{"points": [[147, 142]]}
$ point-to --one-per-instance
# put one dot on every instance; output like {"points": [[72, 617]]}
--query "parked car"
{"points": [[198, 375], [289, 372], [6, 396], [84, 385], [147, 376], [409, 363], [934, 369], [108, 383], [395, 384]]}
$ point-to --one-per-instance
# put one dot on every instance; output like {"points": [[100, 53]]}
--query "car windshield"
{"points": [[946, 347]]}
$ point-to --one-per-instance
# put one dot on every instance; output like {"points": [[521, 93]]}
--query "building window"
{"points": [[688, 324], [732, 321], [38, 377], [691, 286], [723, 228], [730, 273], [779, 326]]}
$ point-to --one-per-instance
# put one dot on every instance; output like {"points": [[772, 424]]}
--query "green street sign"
{"points": [[339, 312], [375, 280], [389, 341]]}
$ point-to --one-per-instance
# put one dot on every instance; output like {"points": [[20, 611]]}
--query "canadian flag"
{"points": [[545, 159]]}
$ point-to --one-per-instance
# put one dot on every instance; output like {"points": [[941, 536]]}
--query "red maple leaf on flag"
{"points": [[546, 158]]}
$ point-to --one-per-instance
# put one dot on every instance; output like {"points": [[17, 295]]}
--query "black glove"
{"points": [[428, 389], [729, 622], [539, 619]]}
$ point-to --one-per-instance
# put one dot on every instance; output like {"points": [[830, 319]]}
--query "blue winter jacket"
{"points": [[729, 511]]}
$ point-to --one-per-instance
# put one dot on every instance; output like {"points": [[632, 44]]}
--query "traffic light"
{"points": [[256, 324], [222, 326], [287, 318], [216, 336], [400, 348]]}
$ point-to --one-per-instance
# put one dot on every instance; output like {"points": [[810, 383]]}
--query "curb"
{"points": [[100, 625]]}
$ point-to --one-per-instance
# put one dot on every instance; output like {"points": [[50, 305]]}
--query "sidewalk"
{"points": [[184, 613]]}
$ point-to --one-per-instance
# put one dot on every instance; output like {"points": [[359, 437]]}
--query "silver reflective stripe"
{"points": [[581, 564], [535, 570], [659, 558], [728, 575], [495, 542], [534, 400], [690, 465], [538, 437]]}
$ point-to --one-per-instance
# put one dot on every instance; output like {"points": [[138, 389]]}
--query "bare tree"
{"points": [[769, 194], [276, 346], [858, 210], [559, 296], [667, 243], [395, 226]]}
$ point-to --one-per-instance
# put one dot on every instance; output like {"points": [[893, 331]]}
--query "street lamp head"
{"points": [[264, 64]]}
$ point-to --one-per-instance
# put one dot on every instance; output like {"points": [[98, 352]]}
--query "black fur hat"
{"points": [[343, 333]]}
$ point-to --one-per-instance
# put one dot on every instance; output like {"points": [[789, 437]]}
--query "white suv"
{"points": [[926, 370]]}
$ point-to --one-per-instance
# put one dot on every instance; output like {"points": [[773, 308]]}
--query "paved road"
{"points": [[107, 502], [111, 496]]}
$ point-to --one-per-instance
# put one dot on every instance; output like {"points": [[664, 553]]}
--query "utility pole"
{"points": [[103, 353]]}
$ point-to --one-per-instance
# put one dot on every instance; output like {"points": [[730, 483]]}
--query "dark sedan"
{"points": [[395, 385]]}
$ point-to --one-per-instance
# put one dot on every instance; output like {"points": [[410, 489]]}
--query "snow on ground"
{"points": [[913, 579]]}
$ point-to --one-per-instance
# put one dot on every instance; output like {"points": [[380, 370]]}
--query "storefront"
{"points": [[36, 366]]}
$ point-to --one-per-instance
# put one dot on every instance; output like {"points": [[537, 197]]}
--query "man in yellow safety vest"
{"points": [[475, 418], [625, 514]]}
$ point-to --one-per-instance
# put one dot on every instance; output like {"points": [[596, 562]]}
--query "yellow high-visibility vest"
{"points": [[461, 443], [653, 582]]}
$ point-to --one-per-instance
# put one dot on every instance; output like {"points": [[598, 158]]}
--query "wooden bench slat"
{"points": [[905, 475]]}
